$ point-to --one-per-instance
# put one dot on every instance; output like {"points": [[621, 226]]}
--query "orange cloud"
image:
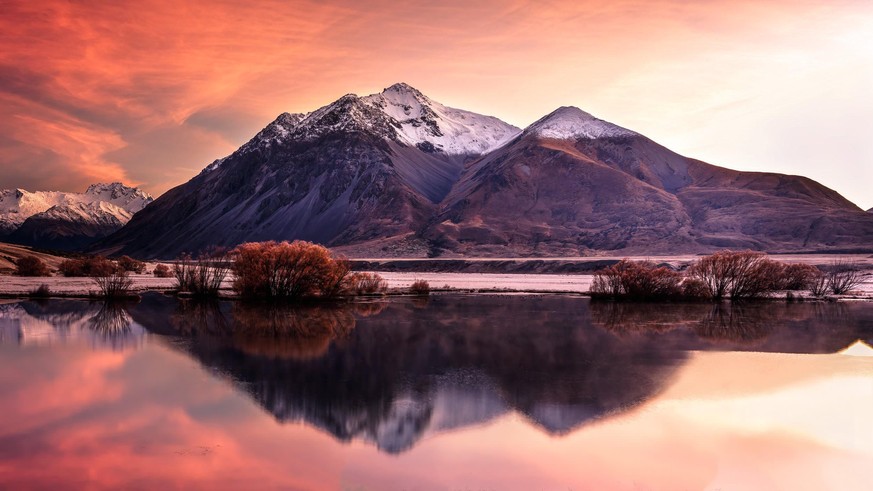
{"points": [[697, 76]]}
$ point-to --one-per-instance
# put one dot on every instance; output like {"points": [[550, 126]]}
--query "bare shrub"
{"points": [[739, 275], [31, 266], [843, 276], [90, 266], [42, 291], [818, 285], [367, 283], [131, 265], [290, 271], [420, 287], [202, 276], [799, 276], [162, 271], [636, 280], [113, 285]]}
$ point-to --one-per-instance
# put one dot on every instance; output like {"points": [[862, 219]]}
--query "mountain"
{"points": [[359, 169], [578, 184], [67, 221], [399, 174]]}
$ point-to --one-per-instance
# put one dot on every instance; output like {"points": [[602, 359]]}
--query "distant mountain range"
{"points": [[399, 174], [67, 221]]}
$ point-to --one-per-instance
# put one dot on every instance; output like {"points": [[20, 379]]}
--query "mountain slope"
{"points": [[577, 184], [399, 174], [66, 221], [359, 169]]}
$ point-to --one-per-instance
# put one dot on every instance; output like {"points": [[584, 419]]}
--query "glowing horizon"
{"points": [[152, 92]]}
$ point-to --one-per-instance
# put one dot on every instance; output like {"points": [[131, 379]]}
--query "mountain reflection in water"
{"points": [[104, 324], [393, 372]]}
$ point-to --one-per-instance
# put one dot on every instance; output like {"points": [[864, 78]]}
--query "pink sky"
{"points": [[150, 92]]}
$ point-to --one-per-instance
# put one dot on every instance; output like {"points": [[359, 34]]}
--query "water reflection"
{"points": [[42, 322], [391, 373], [813, 327]]}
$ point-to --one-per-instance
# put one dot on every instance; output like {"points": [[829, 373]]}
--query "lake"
{"points": [[450, 392]]}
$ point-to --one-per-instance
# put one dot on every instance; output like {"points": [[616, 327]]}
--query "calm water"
{"points": [[455, 392]]}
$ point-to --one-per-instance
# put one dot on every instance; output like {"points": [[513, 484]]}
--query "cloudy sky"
{"points": [[150, 92]]}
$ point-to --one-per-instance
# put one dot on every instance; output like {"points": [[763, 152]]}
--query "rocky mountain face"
{"points": [[357, 170], [580, 185], [399, 174], [67, 221]]}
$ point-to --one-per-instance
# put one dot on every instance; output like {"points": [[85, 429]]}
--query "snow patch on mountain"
{"points": [[568, 122], [424, 122], [97, 203], [399, 113], [98, 213]]}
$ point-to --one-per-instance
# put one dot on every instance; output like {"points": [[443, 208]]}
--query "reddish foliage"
{"points": [[31, 266], [636, 280], [90, 266], [420, 287], [746, 274], [287, 270], [162, 271], [127, 263], [799, 276]]}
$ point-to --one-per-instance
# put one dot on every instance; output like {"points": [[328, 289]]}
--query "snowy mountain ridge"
{"points": [[400, 113], [570, 122], [101, 209]]}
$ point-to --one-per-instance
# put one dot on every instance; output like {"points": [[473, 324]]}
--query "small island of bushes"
{"points": [[736, 275]]}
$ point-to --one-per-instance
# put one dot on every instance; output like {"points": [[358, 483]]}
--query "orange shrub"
{"points": [[636, 280], [90, 266], [287, 270], [162, 271], [420, 287], [131, 265], [31, 266], [799, 276]]}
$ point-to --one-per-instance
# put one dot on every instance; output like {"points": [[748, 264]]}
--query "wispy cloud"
{"points": [[146, 91]]}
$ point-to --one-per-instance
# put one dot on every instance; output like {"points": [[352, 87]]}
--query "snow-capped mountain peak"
{"points": [[104, 205], [428, 124], [399, 113], [570, 122], [125, 197]]}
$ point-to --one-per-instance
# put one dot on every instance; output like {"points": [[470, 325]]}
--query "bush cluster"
{"points": [[291, 271], [366, 284], [638, 280], [838, 278], [131, 265], [162, 271], [90, 266], [726, 274], [420, 287], [745, 274], [31, 266]]}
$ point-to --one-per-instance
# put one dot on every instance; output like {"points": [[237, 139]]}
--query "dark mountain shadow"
{"points": [[391, 372]]}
